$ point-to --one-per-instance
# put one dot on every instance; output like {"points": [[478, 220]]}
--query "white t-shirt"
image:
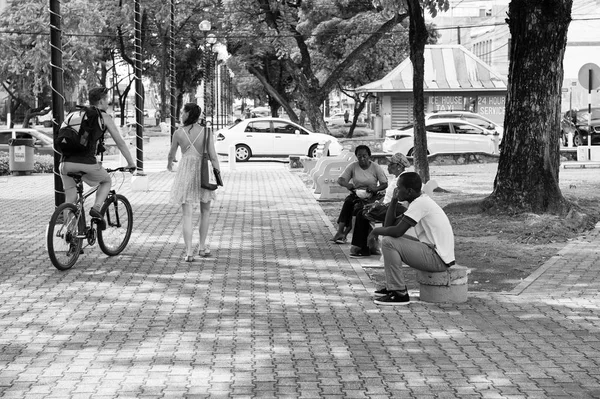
{"points": [[389, 191], [433, 226]]}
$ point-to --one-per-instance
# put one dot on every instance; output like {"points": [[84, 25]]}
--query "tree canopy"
{"points": [[302, 52]]}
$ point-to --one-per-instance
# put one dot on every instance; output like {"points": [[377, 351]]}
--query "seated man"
{"points": [[432, 250], [376, 212]]}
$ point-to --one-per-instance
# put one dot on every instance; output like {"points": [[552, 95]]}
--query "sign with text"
{"points": [[19, 153], [491, 105], [445, 103]]}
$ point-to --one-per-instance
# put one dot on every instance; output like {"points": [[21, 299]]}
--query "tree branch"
{"points": [[370, 42]]}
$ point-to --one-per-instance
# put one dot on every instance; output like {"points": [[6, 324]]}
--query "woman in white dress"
{"points": [[186, 190]]}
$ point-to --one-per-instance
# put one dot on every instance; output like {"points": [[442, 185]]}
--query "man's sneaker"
{"points": [[95, 213], [381, 292], [394, 298], [97, 217]]}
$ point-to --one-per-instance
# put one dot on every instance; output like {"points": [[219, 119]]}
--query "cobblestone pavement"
{"points": [[277, 311]]}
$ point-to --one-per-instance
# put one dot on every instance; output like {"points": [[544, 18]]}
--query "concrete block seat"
{"points": [[308, 163], [450, 286], [324, 162]]}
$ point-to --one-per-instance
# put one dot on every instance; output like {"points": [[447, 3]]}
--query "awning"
{"points": [[447, 68]]}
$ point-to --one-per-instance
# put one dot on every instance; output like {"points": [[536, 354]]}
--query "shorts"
{"points": [[94, 174]]}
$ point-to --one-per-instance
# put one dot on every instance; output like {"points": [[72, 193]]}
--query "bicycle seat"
{"points": [[76, 175]]}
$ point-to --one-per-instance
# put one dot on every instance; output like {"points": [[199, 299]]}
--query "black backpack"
{"points": [[80, 131]]}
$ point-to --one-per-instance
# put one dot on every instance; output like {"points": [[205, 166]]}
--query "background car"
{"points": [[259, 112], [271, 137], [42, 145], [335, 119], [471, 117], [443, 136], [581, 120]]}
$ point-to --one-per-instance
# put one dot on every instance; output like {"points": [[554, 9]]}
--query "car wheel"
{"points": [[242, 153], [576, 140], [312, 152]]}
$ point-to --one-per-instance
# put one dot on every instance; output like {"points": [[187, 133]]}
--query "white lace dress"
{"points": [[186, 187]]}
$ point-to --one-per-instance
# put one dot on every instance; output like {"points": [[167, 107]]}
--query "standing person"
{"points": [[87, 162], [432, 250], [376, 212], [346, 116], [364, 178], [302, 118], [186, 190]]}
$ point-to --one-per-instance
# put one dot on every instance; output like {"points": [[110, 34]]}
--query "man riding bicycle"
{"points": [[86, 162]]}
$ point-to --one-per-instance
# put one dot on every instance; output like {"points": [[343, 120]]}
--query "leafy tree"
{"points": [[527, 178], [24, 66], [373, 64], [273, 35]]}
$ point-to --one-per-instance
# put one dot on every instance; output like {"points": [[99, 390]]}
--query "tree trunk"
{"points": [[417, 36], [359, 105], [527, 178]]}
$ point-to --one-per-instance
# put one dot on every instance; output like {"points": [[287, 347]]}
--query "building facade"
{"points": [[455, 79], [480, 26]]}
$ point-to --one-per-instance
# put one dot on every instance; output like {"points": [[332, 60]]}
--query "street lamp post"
{"points": [[209, 39]]}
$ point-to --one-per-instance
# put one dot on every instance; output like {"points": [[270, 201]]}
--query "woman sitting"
{"points": [[376, 212], [365, 179]]}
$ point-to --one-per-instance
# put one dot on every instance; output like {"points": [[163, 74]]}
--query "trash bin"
{"points": [[20, 155]]}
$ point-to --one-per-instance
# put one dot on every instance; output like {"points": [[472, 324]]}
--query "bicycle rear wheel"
{"points": [[62, 240], [118, 215]]}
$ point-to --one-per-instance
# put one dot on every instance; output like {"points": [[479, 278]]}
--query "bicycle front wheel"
{"points": [[63, 236], [118, 216]]}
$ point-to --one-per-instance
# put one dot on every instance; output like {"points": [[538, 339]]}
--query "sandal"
{"points": [[189, 258], [205, 253]]}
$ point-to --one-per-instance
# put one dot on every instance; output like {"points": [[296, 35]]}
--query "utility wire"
{"points": [[223, 35]]}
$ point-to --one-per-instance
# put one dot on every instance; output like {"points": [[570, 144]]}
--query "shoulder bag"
{"points": [[205, 172]]}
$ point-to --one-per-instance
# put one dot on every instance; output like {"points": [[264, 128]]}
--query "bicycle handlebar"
{"points": [[121, 169]]}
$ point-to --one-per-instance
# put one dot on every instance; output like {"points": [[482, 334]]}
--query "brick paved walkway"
{"points": [[278, 311]]}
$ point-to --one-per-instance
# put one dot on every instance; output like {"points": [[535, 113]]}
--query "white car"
{"points": [[472, 117], [271, 137], [335, 119], [444, 136]]}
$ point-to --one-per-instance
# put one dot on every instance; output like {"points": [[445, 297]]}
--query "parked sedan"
{"points": [[471, 117], [443, 136], [585, 126], [42, 144], [335, 119], [271, 137]]}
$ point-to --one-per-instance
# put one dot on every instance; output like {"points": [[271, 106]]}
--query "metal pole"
{"points": [[139, 88], [205, 99], [58, 99], [217, 96], [212, 89], [173, 105], [589, 135]]}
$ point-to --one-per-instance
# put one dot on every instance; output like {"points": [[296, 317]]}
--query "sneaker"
{"points": [[359, 255], [95, 213], [394, 298], [381, 292], [97, 217]]}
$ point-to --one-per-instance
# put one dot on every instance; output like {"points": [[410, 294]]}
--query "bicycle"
{"points": [[68, 226]]}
